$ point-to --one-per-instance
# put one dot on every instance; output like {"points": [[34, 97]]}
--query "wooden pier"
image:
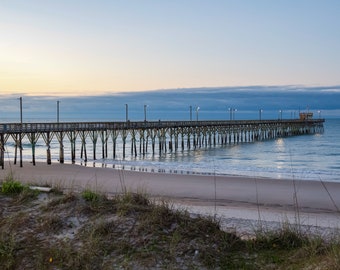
{"points": [[161, 136]]}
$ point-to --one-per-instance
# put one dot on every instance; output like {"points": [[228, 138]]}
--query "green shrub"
{"points": [[12, 187], [90, 196]]}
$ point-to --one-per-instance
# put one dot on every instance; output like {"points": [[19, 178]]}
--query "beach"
{"points": [[240, 202]]}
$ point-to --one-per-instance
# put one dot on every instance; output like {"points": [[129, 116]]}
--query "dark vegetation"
{"points": [[130, 231]]}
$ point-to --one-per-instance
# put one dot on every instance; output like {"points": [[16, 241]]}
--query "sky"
{"points": [[80, 47]]}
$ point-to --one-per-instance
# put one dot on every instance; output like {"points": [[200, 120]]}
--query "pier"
{"points": [[146, 136]]}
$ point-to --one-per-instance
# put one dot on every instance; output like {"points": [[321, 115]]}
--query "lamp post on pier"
{"points": [[319, 112], [20, 136], [197, 109], [58, 103], [232, 113], [126, 112], [145, 106], [20, 98], [260, 114], [190, 112]]}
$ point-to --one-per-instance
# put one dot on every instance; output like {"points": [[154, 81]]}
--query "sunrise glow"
{"points": [[87, 48]]}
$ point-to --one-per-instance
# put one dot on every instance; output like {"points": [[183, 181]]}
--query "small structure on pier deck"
{"points": [[306, 115]]}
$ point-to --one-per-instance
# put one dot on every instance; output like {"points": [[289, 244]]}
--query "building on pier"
{"points": [[306, 116]]}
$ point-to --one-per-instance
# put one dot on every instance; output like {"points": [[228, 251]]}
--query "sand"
{"points": [[240, 202]]}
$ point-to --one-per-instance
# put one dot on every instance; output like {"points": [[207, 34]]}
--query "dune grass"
{"points": [[88, 230]]}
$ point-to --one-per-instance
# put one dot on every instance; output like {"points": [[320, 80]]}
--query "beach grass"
{"points": [[11, 186], [90, 230]]}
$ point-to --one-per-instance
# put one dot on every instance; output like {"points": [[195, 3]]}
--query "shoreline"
{"points": [[147, 165], [230, 197], [156, 169]]}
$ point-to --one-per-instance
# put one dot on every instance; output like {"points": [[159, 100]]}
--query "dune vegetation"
{"points": [[88, 230]]}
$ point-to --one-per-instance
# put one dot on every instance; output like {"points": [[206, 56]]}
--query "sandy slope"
{"points": [[240, 201]]}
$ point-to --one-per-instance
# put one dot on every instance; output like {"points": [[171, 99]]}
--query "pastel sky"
{"points": [[95, 47]]}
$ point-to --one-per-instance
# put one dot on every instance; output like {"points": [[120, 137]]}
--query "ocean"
{"points": [[308, 157]]}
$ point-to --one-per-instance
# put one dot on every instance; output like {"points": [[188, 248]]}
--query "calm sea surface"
{"points": [[312, 157]]}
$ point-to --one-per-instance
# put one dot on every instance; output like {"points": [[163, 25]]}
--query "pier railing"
{"points": [[94, 126]]}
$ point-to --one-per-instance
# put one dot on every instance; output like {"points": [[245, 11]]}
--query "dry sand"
{"points": [[240, 202]]}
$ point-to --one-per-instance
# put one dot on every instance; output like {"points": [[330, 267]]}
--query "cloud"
{"points": [[173, 104]]}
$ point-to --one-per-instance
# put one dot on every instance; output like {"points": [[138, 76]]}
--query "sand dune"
{"points": [[231, 197]]}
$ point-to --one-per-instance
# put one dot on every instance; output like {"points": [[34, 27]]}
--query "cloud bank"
{"points": [[174, 104]]}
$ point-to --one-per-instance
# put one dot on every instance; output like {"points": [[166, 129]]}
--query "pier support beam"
{"points": [[104, 139], [20, 148], [33, 138], [83, 136], [17, 143], [60, 136], [2, 151], [48, 139], [124, 136], [94, 139], [72, 137], [114, 136], [133, 143]]}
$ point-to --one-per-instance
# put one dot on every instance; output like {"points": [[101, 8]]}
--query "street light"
{"points": [[232, 113], [20, 135], [197, 109], [190, 113], [234, 110], [126, 112], [145, 106], [260, 113], [58, 102], [20, 110], [319, 112], [280, 114]]}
